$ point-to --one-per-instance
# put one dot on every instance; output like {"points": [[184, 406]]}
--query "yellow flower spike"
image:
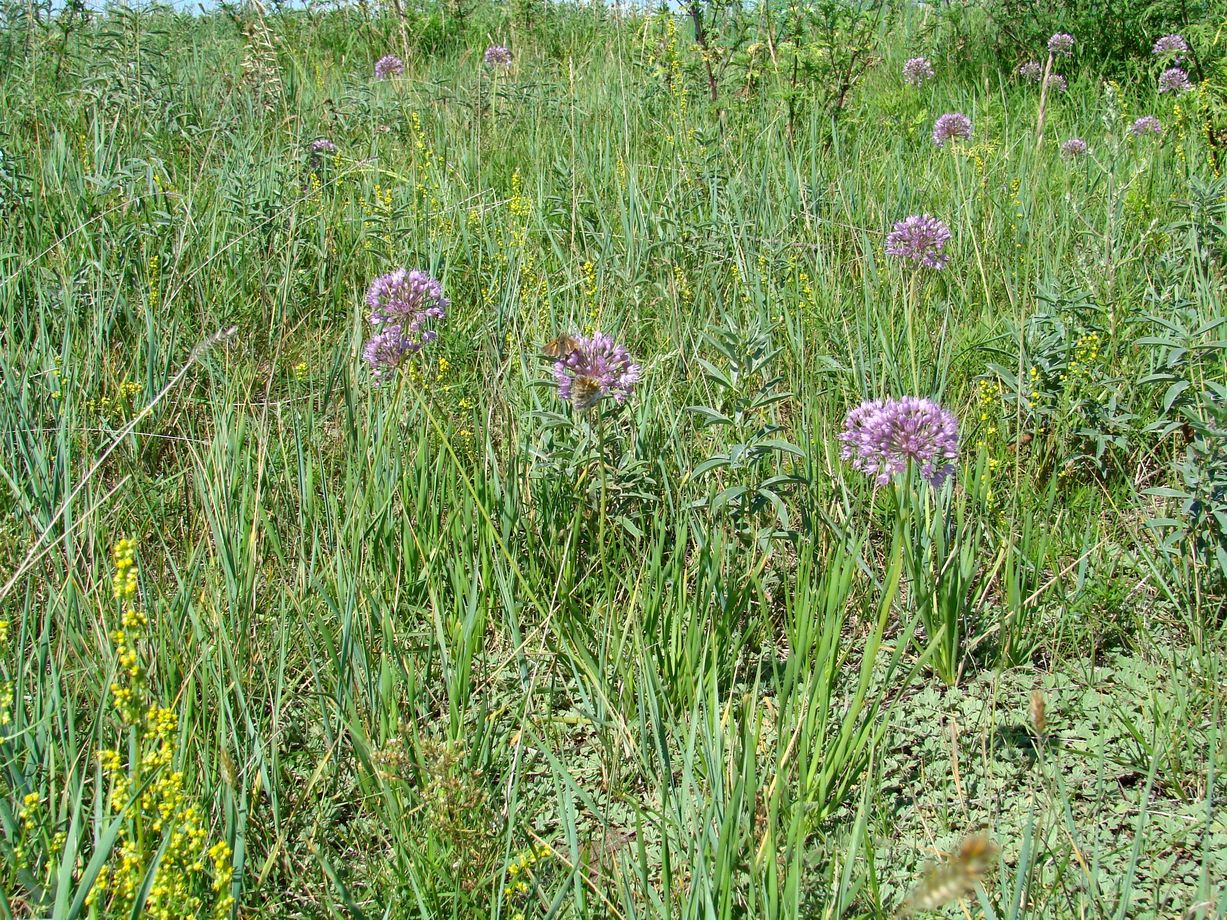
{"points": [[109, 761], [173, 821]]}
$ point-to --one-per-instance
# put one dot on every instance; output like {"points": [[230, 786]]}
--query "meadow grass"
{"points": [[448, 647]]}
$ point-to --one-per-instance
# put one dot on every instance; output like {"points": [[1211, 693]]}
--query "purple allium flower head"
{"points": [[951, 126], [497, 55], [596, 368], [1061, 43], [1174, 80], [1074, 148], [1147, 124], [403, 304], [882, 435], [1031, 70], [403, 294], [917, 71], [1056, 82], [1171, 44], [323, 145], [921, 238], [387, 347], [389, 66]]}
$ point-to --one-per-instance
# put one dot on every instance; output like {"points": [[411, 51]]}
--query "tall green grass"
{"points": [[445, 648]]}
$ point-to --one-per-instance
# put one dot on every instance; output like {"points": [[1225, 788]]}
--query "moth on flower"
{"points": [[587, 369], [561, 347]]}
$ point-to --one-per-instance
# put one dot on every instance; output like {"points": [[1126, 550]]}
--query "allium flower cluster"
{"points": [[917, 71], [1031, 70], [1061, 43], [1147, 124], [951, 126], [1073, 148], [403, 304], [323, 145], [1174, 80], [921, 238], [1174, 45], [389, 66], [881, 436], [1056, 82], [596, 368], [497, 55]]}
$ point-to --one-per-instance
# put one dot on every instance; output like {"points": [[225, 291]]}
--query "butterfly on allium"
{"points": [[587, 369], [561, 347]]}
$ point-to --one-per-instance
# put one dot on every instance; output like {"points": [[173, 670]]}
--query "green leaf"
{"points": [[1173, 392], [714, 417]]}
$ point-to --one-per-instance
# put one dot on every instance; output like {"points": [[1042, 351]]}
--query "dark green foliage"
{"points": [[448, 648], [1113, 36]]}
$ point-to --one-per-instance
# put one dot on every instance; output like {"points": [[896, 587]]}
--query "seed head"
{"points": [[956, 878], [1039, 712]]}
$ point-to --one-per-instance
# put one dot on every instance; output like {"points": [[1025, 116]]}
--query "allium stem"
{"points": [[909, 307], [1039, 119], [600, 530]]}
